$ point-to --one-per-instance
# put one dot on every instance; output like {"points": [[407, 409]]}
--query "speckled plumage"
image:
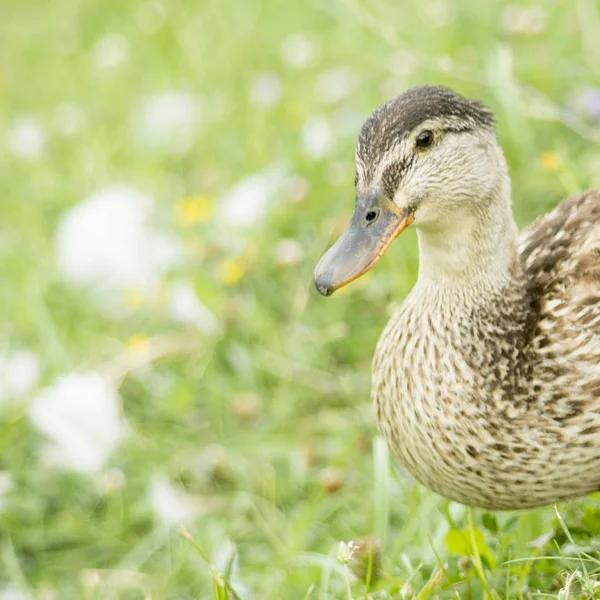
{"points": [[486, 382], [493, 399]]}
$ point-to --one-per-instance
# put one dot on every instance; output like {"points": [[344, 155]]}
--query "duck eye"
{"points": [[424, 139]]}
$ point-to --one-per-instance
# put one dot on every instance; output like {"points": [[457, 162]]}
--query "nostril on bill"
{"points": [[371, 216]]}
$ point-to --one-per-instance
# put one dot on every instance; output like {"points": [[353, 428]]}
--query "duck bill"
{"points": [[362, 245]]}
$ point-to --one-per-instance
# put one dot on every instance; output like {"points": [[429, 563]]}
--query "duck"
{"points": [[486, 380]]}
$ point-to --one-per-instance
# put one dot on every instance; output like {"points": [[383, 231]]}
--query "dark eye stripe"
{"points": [[393, 174], [464, 129]]}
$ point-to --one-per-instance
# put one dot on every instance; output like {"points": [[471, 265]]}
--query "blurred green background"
{"points": [[170, 174]]}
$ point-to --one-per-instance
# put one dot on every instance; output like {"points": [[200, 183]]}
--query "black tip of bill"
{"points": [[323, 289]]}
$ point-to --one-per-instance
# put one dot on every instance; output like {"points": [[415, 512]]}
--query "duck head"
{"points": [[427, 159]]}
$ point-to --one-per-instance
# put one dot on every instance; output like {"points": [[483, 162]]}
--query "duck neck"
{"points": [[474, 249]]}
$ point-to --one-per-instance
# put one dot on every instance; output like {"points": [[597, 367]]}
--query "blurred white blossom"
{"points": [[247, 202], [80, 414], [26, 138], [335, 84], [110, 50], [265, 90], [317, 137], [298, 51], [19, 373], [168, 122], [346, 552], [185, 307], [69, 119], [172, 505], [107, 241]]}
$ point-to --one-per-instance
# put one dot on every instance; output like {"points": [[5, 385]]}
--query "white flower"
{"points": [[317, 137], [298, 51], [346, 552], [172, 506], [26, 138], [19, 373], [110, 50], [80, 414], [334, 85], [107, 241], [247, 203], [185, 307], [168, 122], [265, 90]]}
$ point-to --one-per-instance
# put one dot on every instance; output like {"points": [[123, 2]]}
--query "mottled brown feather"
{"points": [[507, 414]]}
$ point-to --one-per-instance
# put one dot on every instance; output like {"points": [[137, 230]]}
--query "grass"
{"points": [[266, 425]]}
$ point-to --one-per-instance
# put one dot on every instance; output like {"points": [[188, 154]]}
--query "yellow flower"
{"points": [[133, 299], [193, 209], [138, 344], [230, 271], [551, 161]]}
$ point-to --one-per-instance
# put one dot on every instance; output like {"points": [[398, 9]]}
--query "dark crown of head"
{"points": [[397, 118]]}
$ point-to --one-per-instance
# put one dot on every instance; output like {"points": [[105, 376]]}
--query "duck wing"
{"points": [[561, 250], [561, 257]]}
